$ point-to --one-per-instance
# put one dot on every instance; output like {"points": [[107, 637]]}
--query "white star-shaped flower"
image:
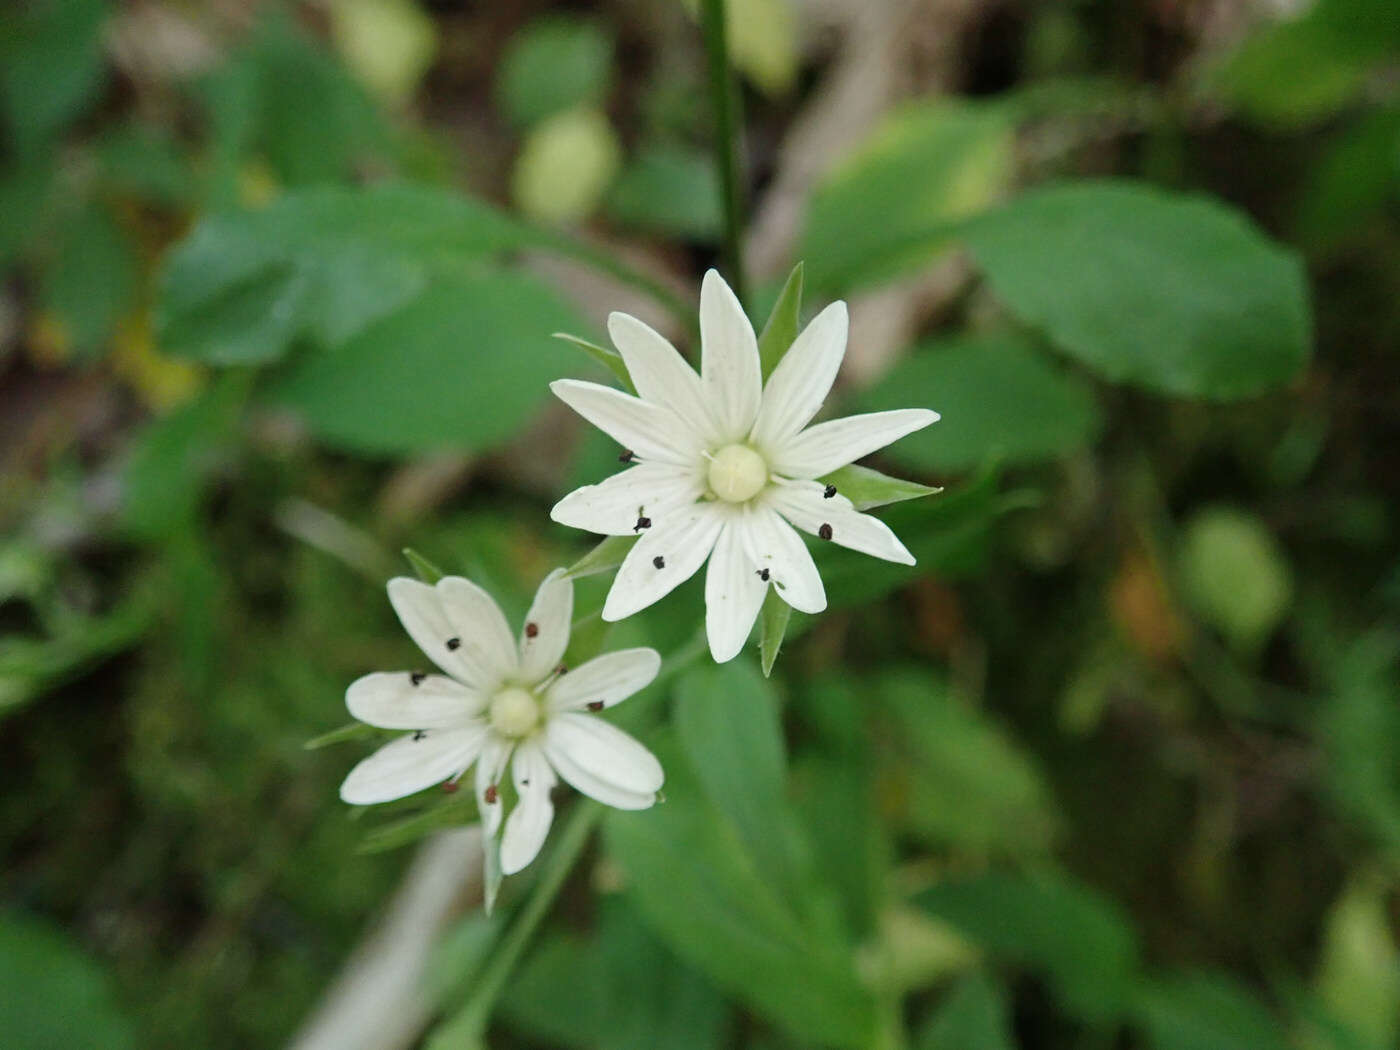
{"points": [[724, 466], [499, 705]]}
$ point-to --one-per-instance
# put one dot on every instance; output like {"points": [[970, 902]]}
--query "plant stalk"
{"points": [[724, 98]]}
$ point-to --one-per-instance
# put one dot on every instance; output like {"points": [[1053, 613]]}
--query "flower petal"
{"points": [[490, 767], [803, 378], [604, 752], [409, 700], [648, 430], [734, 593], [823, 448], [479, 628], [681, 543], [411, 763], [420, 610], [607, 679], [729, 368], [773, 545], [803, 504], [612, 507], [529, 822], [546, 632], [660, 374], [592, 785]]}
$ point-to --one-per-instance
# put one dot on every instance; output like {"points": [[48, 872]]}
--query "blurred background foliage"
{"points": [[1118, 765]]}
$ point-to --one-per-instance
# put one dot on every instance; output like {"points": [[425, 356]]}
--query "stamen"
{"points": [[417, 677], [825, 531], [449, 787], [642, 523], [595, 705], [659, 562], [532, 630], [490, 794], [828, 492], [562, 669], [763, 575], [419, 734], [454, 644], [627, 456]]}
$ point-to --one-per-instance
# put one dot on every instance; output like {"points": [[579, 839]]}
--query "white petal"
{"points": [[612, 507], [412, 763], [648, 430], [773, 545], [607, 679], [592, 785], [728, 359], [419, 608], [479, 629], [803, 378], [551, 615], [529, 822], [489, 770], [682, 542], [603, 751], [825, 447], [734, 593], [803, 504], [410, 700], [660, 374]]}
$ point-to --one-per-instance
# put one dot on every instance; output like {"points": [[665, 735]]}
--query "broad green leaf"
{"points": [[1353, 178], [763, 42], [999, 397], [388, 44], [326, 262], [966, 784], [1179, 295], [703, 895], [460, 367], [772, 624], [606, 556], [565, 166], [422, 567], [53, 995], [868, 488], [1049, 923], [51, 66], [973, 1016], [836, 799], [895, 202], [669, 190], [605, 356], [1205, 1011], [553, 64], [782, 326], [1359, 726], [1234, 575], [1358, 978], [145, 160], [90, 283]]}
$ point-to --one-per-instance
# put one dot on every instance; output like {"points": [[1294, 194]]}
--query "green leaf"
{"points": [[782, 326], [1205, 1011], [605, 557], [702, 894], [90, 283], [669, 190], [773, 623], [1175, 294], [1000, 398], [455, 812], [1353, 178], [1234, 575], [51, 66], [460, 367], [605, 356], [422, 567], [1358, 978], [551, 65], [1081, 941], [52, 994], [565, 166], [868, 488], [894, 203], [325, 262], [973, 1016]]}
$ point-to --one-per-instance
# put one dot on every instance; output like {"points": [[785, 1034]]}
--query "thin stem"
{"points": [[725, 99]]}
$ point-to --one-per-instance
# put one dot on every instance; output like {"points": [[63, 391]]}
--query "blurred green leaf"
{"points": [[145, 161], [1358, 978], [90, 281], [460, 367], [669, 190], [552, 64], [1234, 575], [773, 620], [51, 66], [565, 166], [868, 488], [973, 1016], [1052, 924], [782, 325], [52, 995], [1205, 1011], [896, 201], [1000, 398], [1352, 180], [1176, 294]]}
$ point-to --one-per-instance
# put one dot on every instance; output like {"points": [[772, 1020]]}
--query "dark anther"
{"points": [[595, 705], [454, 644], [417, 677], [825, 531], [627, 456], [531, 629], [525, 783], [763, 575], [828, 492], [490, 794], [659, 562], [449, 787], [419, 734], [562, 669], [642, 523]]}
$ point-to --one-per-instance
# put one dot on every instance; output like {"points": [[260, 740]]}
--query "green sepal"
{"points": [[607, 555], [349, 731], [608, 358], [868, 488], [454, 813], [422, 567], [773, 624], [781, 328]]}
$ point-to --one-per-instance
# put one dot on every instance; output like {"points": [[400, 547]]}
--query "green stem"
{"points": [[724, 97]]}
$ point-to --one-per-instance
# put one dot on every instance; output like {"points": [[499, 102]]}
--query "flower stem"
{"points": [[724, 97]]}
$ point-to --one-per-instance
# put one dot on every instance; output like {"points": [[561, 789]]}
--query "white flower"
{"points": [[498, 705], [723, 464]]}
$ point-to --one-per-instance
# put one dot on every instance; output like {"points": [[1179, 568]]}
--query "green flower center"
{"points": [[514, 712], [737, 473]]}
